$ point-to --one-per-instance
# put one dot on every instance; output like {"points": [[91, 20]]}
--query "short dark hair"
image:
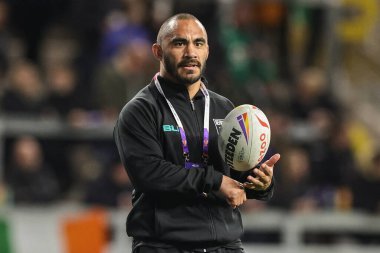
{"points": [[165, 27]]}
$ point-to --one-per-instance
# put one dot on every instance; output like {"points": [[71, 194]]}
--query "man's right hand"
{"points": [[233, 191]]}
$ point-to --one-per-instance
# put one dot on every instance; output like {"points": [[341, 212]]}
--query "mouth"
{"points": [[190, 65]]}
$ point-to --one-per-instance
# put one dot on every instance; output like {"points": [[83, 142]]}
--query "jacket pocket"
{"points": [[177, 222]]}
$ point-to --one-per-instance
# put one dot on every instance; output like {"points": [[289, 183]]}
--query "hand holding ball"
{"points": [[244, 138]]}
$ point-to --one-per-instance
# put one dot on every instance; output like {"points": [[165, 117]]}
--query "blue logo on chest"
{"points": [[170, 128]]}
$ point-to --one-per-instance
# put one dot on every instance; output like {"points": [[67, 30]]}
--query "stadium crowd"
{"points": [[80, 61]]}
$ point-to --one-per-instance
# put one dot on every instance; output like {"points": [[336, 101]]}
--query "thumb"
{"points": [[273, 160]]}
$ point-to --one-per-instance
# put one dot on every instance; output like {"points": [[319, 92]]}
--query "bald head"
{"points": [[170, 24]]}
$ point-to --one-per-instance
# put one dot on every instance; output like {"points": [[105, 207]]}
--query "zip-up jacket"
{"points": [[172, 204]]}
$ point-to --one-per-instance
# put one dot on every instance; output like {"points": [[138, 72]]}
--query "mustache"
{"points": [[189, 62]]}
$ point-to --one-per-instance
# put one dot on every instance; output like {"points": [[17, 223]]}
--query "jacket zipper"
{"points": [[192, 104]]}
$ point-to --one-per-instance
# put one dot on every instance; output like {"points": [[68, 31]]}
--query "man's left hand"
{"points": [[263, 175]]}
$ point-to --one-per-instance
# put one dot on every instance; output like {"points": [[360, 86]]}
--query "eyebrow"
{"points": [[200, 40], [180, 39]]}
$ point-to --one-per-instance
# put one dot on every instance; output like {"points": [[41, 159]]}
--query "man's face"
{"points": [[185, 51]]}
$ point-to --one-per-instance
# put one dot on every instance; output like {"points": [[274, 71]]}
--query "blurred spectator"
{"points": [[119, 80], [304, 31], [123, 26], [340, 164], [271, 21], [126, 60], [58, 47], [366, 188], [85, 21], [85, 168], [112, 189], [161, 10], [293, 182], [25, 93], [333, 166], [311, 94], [316, 19], [62, 84], [31, 178], [250, 57]]}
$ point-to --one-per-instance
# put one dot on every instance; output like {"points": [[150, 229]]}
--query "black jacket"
{"points": [[168, 204]]}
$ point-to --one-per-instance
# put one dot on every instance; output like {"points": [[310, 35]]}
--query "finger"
{"points": [[273, 160], [255, 182], [260, 173], [267, 170], [249, 185], [263, 178]]}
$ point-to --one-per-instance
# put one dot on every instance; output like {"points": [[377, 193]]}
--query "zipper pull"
{"points": [[192, 104]]}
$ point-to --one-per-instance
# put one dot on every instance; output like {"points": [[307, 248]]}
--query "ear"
{"points": [[157, 51], [208, 51]]}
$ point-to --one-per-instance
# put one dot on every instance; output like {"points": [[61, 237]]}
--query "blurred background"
{"points": [[68, 66]]}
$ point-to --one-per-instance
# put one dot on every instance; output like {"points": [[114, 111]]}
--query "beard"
{"points": [[172, 69]]}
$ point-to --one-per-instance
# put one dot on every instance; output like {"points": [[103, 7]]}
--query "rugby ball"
{"points": [[244, 137]]}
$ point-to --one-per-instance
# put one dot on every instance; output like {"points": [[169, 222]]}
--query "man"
{"points": [[185, 197]]}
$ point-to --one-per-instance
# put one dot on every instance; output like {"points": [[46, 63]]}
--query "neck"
{"points": [[192, 88]]}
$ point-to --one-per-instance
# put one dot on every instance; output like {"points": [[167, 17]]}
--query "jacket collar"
{"points": [[173, 89]]}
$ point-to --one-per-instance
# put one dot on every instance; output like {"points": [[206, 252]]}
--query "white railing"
{"points": [[39, 229]]}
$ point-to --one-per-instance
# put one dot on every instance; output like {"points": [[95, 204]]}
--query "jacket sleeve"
{"points": [[137, 139]]}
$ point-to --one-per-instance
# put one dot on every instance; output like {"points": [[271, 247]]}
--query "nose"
{"points": [[190, 51]]}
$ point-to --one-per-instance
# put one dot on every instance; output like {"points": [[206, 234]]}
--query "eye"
{"points": [[178, 43], [199, 43]]}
